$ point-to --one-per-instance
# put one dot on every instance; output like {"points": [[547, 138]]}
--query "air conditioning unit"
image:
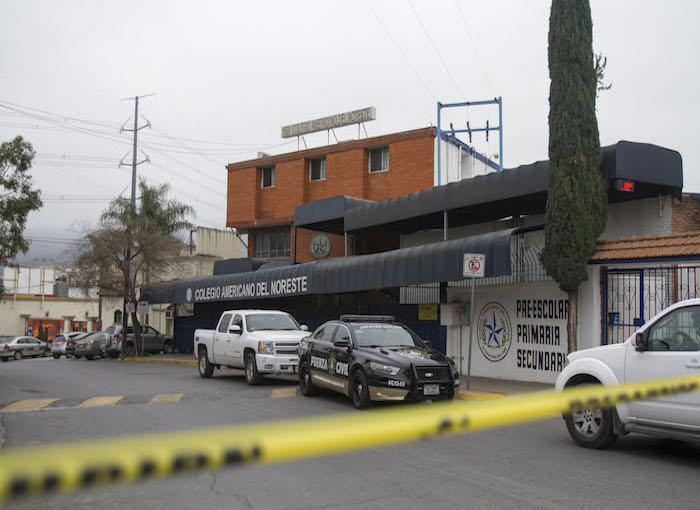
{"points": [[168, 315]]}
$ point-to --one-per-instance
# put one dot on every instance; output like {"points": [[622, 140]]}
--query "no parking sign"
{"points": [[474, 265]]}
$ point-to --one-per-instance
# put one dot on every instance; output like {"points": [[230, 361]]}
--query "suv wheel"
{"points": [[591, 428], [206, 369], [359, 390], [168, 347], [252, 376], [307, 386]]}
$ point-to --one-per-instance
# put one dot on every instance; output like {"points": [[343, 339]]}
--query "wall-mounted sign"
{"points": [[326, 123], [624, 185], [320, 246], [428, 312]]}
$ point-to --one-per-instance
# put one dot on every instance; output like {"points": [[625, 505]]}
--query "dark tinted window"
{"points": [[325, 333]]}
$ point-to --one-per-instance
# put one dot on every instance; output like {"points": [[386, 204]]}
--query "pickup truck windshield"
{"points": [[271, 322], [384, 335]]}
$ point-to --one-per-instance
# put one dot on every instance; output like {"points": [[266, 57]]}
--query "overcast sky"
{"points": [[228, 74]]}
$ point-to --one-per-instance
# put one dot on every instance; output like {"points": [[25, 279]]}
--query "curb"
{"points": [[480, 395], [170, 361]]}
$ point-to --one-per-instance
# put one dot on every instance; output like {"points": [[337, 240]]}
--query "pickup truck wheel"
{"points": [[591, 428], [307, 386], [252, 376], [359, 390], [168, 348], [206, 369]]}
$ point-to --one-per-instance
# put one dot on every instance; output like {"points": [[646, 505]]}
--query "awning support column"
{"points": [[444, 226], [295, 244]]}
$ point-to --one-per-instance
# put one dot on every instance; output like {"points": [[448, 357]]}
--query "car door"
{"points": [[321, 348], [222, 340], [673, 351], [339, 359], [153, 343], [238, 341]]}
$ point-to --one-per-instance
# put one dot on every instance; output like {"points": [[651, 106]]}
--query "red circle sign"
{"points": [[474, 265]]}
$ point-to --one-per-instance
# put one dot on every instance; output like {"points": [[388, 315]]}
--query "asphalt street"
{"points": [[528, 466]]}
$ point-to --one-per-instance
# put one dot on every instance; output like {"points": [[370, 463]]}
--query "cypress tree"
{"points": [[577, 190]]}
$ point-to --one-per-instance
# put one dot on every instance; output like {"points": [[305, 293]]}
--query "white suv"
{"points": [[668, 345]]}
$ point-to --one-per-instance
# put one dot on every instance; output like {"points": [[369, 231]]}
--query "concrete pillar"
{"points": [[67, 320]]}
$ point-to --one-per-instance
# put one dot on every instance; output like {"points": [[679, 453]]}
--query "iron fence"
{"points": [[630, 297]]}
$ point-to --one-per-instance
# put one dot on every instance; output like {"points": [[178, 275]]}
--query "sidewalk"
{"points": [[175, 359]]}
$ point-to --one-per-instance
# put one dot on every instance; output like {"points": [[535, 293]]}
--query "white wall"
{"points": [[517, 309], [457, 164], [14, 313]]}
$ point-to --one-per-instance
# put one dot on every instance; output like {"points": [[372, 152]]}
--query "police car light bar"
{"points": [[367, 318]]}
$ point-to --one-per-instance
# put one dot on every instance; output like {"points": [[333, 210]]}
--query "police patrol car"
{"points": [[374, 358]]}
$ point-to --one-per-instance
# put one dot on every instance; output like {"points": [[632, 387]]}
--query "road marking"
{"points": [[167, 398], [101, 401], [29, 404], [284, 392]]}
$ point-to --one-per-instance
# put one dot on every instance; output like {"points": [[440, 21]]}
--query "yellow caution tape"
{"points": [[69, 467]]}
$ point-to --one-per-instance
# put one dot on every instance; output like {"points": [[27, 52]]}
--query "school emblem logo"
{"points": [[495, 333], [189, 294]]}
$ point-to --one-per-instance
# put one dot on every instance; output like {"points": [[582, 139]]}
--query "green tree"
{"points": [[129, 247], [577, 190], [17, 198]]}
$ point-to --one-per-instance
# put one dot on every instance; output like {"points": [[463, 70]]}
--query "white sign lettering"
{"points": [[284, 286]]}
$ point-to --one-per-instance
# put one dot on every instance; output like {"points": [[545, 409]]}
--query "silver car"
{"points": [[58, 347], [17, 347]]}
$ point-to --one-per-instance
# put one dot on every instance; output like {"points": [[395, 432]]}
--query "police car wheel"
{"points": [[359, 390], [252, 376], [307, 386]]}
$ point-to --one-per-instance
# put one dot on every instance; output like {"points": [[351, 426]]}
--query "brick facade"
{"points": [[685, 214], [249, 207]]}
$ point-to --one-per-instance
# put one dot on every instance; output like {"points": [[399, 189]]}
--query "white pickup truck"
{"points": [[666, 346], [263, 342]]}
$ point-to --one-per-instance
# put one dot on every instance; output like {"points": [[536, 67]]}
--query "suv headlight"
{"points": [[384, 369], [266, 347]]}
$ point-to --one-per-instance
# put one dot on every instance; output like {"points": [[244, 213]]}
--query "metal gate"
{"points": [[633, 296]]}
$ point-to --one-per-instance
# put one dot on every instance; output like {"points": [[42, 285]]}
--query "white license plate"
{"points": [[431, 389]]}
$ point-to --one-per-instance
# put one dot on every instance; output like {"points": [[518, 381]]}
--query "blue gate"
{"points": [[633, 296]]}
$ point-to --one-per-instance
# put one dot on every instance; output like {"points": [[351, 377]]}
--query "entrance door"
{"points": [[674, 350]]}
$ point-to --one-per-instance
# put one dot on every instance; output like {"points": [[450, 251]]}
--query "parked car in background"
{"points": [[60, 344], [263, 342], [70, 344], [151, 340], [17, 347], [93, 345], [666, 346]]}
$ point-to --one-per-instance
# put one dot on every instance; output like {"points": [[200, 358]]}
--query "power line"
{"points": [[425, 86], [442, 60], [476, 52]]}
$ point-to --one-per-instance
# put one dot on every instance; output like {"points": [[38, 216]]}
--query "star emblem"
{"points": [[494, 331]]}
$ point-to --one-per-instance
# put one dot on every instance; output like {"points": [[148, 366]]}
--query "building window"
{"points": [[317, 169], [267, 177], [117, 316], [272, 245], [379, 159]]}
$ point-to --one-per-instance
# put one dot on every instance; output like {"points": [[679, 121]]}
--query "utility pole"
{"points": [[134, 164]]}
